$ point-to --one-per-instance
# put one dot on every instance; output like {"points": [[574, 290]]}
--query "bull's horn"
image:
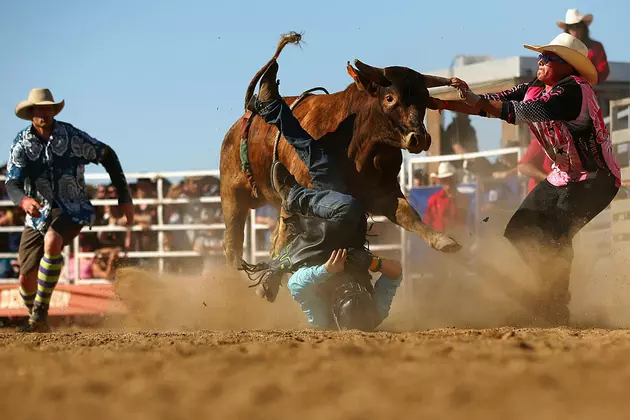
{"points": [[436, 81], [374, 74]]}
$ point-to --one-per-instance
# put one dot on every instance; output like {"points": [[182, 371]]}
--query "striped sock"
{"points": [[47, 277], [28, 298]]}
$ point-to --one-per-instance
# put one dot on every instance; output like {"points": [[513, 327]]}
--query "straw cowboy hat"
{"points": [[37, 97], [445, 170], [574, 52], [574, 16]]}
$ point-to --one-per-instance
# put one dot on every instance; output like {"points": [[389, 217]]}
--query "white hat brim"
{"points": [[441, 176], [587, 19], [581, 64], [23, 109]]}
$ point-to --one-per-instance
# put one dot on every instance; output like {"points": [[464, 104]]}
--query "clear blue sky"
{"points": [[162, 81]]}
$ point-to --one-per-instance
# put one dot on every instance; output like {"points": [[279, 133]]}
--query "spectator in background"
{"points": [[535, 164], [112, 216], [195, 212], [447, 209], [419, 178], [577, 25], [462, 137], [6, 220], [104, 263], [145, 216], [10, 241], [99, 211], [209, 243], [85, 263], [100, 266], [505, 166]]}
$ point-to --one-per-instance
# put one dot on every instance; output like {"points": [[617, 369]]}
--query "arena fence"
{"points": [[253, 252]]}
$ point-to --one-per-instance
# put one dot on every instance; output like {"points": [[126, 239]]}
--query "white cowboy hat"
{"points": [[37, 97], [574, 16], [445, 170], [573, 51]]}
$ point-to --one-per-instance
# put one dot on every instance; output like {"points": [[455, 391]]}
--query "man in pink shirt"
{"points": [[563, 114]]}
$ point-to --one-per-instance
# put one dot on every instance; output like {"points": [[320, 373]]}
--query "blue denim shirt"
{"points": [[53, 172], [302, 285]]}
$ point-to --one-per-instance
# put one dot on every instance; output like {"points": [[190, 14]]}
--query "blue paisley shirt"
{"points": [[53, 172]]}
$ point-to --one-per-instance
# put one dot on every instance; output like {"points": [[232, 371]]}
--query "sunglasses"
{"points": [[545, 58]]}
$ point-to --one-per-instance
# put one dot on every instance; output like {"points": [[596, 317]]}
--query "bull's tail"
{"points": [[285, 39]]}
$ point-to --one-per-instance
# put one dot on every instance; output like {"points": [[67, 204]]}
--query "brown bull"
{"points": [[367, 125]]}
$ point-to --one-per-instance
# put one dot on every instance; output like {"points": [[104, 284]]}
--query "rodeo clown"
{"points": [[45, 178], [563, 113], [326, 248]]}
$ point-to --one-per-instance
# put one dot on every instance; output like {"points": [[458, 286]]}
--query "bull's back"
{"points": [[315, 113]]}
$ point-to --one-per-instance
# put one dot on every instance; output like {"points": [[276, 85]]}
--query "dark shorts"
{"points": [[31, 248]]}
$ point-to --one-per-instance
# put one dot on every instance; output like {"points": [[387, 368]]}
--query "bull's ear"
{"points": [[362, 82]]}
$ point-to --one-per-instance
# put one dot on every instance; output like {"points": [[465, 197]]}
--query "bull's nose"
{"points": [[427, 142], [418, 142]]}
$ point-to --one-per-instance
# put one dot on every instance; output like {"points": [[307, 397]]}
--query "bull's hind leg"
{"points": [[236, 206]]}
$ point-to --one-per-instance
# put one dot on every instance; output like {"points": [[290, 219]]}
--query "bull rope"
{"points": [[291, 107], [246, 123]]}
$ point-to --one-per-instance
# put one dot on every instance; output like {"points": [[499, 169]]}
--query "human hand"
{"points": [[31, 207], [128, 210], [337, 261], [461, 86]]}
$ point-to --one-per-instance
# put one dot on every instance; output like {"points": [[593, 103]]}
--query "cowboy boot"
{"points": [[269, 288], [268, 90], [37, 322], [282, 181]]}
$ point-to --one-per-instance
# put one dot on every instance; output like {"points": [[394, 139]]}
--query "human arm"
{"points": [[386, 286], [504, 174], [428, 214], [517, 93], [531, 163], [562, 103], [302, 282], [598, 57], [531, 171], [111, 255], [16, 174], [94, 151]]}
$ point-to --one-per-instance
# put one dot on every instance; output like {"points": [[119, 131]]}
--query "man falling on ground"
{"points": [[45, 176], [331, 268]]}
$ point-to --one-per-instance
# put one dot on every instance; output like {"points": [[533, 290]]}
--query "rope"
{"points": [[291, 107]]}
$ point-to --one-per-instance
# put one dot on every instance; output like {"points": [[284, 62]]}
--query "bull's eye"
{"points": [[389, 98]]}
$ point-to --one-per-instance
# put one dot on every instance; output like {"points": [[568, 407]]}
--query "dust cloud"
{"points": [[221, 301], [502, 289], [442, 294]]}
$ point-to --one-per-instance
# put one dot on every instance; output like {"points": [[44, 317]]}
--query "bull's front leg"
{"points": [[398, 209]]}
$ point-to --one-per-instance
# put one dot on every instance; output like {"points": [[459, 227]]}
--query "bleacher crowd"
{"points": [[108, 246]]}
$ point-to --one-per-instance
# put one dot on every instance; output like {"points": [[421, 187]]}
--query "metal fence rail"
{"points": [[252, 252]]}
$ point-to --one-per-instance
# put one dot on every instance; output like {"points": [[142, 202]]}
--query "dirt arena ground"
{"points": [[209, 348], [442, 374]]}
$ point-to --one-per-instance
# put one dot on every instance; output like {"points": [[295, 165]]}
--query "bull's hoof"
{"points": [[446, 244]]}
